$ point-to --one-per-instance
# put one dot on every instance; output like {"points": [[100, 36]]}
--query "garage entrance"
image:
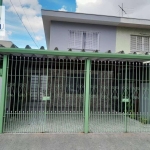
{"points": [[119, 97], [44, 95], [71, 95]]}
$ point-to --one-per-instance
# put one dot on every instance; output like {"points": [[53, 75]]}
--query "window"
{"points": [[75, 84], [84, 40], [38, 84], [140, 43]]}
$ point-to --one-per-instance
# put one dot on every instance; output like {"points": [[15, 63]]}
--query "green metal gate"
{"points": [[72, 95], [119, 97], [44, 95]]}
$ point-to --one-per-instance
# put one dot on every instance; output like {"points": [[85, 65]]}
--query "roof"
{"points": [[49, 15], [94, 19], [7, 44]]}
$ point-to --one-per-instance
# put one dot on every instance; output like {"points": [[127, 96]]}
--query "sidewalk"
{"points": [[122, 141]]}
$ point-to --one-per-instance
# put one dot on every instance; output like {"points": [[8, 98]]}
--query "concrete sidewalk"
{"points": [[122, 141]]}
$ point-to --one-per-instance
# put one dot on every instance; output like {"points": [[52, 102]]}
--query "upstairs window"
{"points": [[140, 43], [84, 40]]}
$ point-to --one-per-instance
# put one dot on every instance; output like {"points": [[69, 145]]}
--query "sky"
{"points": [[29, 12]]}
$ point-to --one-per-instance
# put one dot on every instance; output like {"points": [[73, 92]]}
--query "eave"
{"points": [[71, 54]]}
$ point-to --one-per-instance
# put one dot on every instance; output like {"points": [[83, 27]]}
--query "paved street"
{"points": [[121, 141]]}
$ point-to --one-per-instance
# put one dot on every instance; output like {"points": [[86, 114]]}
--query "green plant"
{"points": [[144, 120], [132, 114]]}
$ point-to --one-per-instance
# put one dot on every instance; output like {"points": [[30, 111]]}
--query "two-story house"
{"points": [[94, 77], [77, 31]]}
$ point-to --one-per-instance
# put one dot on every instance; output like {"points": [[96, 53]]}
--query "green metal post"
{"points": [[148, 117], [87, 95], [126, 98], [1, 2], [2, 98]]}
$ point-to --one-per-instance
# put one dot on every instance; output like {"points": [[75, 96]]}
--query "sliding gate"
{"points": [[44, 95], [119, 97]]}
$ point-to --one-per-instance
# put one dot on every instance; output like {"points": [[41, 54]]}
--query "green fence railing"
{"points": [[73, 95]]}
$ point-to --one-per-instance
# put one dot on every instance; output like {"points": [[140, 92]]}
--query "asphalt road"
{"points": [[122, 141]]}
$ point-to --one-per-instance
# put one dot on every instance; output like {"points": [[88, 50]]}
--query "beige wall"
{"points": [[123, 37]]}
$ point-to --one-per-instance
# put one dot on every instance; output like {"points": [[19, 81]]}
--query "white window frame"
{"points": [[84, 40], [136, 50], [35, 79]]}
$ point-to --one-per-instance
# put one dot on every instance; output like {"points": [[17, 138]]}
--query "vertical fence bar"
{"points": [[74, 92], [140, 67], [125, 98], [104, 79], [23, 86], [118, 68], [97, 91], [77, 88], [87, 91], [65, 105], [101, 78], [57, 82], [2, 101], [146, 93], [62, 85], [6, 100], [149, 95], [108, 86]]}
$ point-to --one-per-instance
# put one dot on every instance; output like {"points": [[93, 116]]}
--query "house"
{"points": [[7, 44], [94, 77], [77, 31]]}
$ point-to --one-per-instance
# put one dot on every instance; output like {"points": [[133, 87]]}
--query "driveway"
{"points": [[121, 141]]}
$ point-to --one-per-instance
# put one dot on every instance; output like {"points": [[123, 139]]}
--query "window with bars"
{"points": [[140, 43], [84, 40]]}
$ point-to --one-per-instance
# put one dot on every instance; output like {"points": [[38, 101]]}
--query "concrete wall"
{"points": [[123, 37], [59, 35]]}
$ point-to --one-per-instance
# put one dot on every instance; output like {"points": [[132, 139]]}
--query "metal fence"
{"points": [[1, 61], [50, 95], [44, 95], [120, 97], [1, 66]]}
